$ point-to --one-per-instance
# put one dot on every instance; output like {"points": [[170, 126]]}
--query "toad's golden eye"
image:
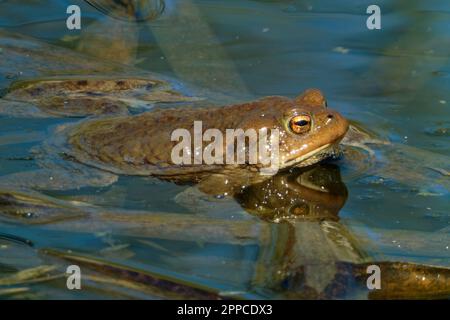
{"points": [[300, 124]]}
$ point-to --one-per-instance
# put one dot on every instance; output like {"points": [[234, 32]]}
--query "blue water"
{"points": [[395, 82]]}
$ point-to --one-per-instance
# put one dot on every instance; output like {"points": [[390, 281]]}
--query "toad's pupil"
{"points": [[301, 123]]}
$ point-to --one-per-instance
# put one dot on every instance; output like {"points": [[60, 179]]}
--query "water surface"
{"points": [[395, 82]]}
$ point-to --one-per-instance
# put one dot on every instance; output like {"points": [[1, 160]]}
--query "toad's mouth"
{"points": [[314, 156]]}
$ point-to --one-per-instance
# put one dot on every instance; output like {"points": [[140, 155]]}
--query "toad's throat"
{"points": [[313, 156]]}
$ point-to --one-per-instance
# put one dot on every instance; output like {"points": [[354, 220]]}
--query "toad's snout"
{"points": [[333, 125]]}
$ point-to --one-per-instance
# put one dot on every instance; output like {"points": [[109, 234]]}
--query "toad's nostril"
{"points": [[330, 116]]}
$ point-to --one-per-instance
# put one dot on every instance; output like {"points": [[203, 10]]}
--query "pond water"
{"points": [[393, 82]]}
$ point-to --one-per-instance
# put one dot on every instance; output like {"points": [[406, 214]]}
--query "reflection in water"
{"points": [[308, 254], [187, 41], [309, 241], [315, 194], [314, 256], [135, 10], [115, 36]]}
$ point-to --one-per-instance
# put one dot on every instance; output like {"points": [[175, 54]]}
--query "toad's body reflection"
{"points": [[313, 194], [314, 255]]}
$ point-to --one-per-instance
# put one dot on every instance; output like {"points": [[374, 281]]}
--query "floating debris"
{"points": [[429, 194], [12, 291], [36, 274], [16, 239], [154, 245], [341, 50], [70, 38], [115, 248], [438, 132], [444, 172], [159, 284], [32, 209], [119, 251]]}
